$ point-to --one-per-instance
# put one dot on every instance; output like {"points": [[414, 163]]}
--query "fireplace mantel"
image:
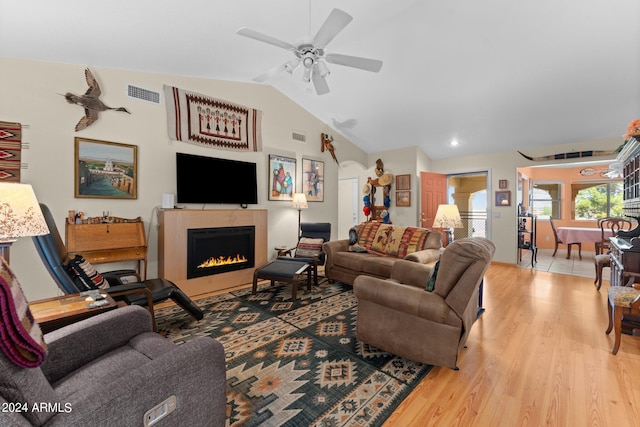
{"points": [[172, 246]]}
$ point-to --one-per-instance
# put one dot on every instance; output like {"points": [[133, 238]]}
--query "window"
{"points": [[545, 199], [595, 200]]}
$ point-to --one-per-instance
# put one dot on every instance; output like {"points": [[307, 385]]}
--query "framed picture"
{"points": [[282, 177], [403, 198], [403, 182], [313, 180], [107, 170], [503, 198], [503, 184]]}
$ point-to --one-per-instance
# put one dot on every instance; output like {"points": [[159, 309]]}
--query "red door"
{"points": [[434, 193]]}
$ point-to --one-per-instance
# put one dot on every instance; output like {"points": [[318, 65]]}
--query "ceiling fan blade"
{"points": [[319, 82], [366, 64], [270, 73], [335, 22], [264, 38]]}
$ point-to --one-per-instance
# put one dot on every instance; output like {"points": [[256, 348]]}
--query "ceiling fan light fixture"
{"points": [[307, 75], [308, 60], [292, 66], [322, 69]]}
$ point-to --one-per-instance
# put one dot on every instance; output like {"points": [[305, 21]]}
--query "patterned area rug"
{"points": [[297, 363]]}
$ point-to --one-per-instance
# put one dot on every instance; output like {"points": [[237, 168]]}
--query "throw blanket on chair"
{"points": [[20, 336], [202, 120]]}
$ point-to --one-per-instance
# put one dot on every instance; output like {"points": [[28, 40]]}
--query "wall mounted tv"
{"points": [[202, 179]]}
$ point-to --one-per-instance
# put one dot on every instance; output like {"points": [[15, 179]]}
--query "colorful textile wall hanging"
{"points": [[216, 123], [10, 146]]}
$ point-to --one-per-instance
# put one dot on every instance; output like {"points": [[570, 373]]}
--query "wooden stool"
{"points": [[600, 261]]}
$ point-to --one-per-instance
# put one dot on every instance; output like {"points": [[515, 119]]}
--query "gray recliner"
{"points": [[111, 369]]}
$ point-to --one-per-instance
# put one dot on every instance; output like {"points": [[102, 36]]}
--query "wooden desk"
{"points": [[100, 243], [54, 313]]}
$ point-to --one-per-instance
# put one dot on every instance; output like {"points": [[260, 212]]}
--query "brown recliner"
{"points": [[399, 316]]}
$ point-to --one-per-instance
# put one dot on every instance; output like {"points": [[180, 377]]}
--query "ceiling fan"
{"points": [[311, 54]]}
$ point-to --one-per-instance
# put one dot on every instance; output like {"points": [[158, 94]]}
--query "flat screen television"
{"points": [[202, 179]]}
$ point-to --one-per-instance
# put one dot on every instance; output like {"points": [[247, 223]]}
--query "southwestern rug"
{"points": [[297, 363]]}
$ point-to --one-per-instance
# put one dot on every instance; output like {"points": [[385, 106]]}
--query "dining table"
{"points": [[581, 235]]}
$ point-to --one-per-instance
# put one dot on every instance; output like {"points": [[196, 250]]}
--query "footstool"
{"points": [[282, 271]]}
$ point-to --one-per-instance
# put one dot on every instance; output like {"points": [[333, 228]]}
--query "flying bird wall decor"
{"points": [[90, 101], [327, 144]]}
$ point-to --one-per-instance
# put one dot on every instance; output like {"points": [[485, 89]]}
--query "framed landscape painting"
{"points": [[105, 169], [282, 177], [313, 180], [503, 198]]}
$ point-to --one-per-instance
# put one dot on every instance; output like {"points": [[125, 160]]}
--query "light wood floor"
{"points": [[537, 356]]}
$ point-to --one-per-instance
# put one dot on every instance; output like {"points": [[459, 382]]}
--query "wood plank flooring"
{"points": [[537, 356]]}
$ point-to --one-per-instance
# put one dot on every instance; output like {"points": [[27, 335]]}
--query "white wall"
{"points": [[29, 94]]}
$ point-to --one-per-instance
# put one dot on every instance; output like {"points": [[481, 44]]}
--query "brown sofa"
{"points": [[374, 249], [399, 316]]}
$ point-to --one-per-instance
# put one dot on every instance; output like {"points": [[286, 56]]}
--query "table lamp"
{"points": [[447, 217], [20, 215], [299, 202]]}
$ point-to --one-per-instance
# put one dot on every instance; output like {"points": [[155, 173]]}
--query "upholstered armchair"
{"points": [[399, 316], [108, 370]]}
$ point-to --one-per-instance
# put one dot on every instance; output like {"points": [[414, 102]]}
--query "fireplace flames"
{"points": [[222, 260]]}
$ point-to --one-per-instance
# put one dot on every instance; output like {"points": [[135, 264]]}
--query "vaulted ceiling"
{"points": [[493, 74]]}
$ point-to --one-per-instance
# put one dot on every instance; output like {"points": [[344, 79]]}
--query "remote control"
{"points": [[98, 303]]}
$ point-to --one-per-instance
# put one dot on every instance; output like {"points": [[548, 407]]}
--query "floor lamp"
{"points": [[20, 215], [299, 202], [447, 217]]}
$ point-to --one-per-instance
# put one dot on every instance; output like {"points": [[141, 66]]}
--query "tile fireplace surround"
{"points": [[172, 246]]}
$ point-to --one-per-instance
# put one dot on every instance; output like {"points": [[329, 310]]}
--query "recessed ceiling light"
{"points": [[454, 142]]}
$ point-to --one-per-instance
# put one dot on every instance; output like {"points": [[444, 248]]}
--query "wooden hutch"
{"points": [[625, 247]]}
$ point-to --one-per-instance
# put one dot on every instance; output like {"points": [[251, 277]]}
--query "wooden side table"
{"points": [[283, 250], [54, 313]]}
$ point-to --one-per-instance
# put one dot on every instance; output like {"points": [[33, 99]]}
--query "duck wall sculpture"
{"points": [[90, 101]]}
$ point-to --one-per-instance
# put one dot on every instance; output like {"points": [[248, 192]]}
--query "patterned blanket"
{"points": [[20, 336], [216, 123]]}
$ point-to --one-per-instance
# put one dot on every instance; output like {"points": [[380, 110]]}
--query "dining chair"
{"points": [[624, 301], [601, 261], [558, 241], [613, 224]]}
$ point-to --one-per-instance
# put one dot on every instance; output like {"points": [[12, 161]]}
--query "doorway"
{"points": [[348, 214], [468, 191]]}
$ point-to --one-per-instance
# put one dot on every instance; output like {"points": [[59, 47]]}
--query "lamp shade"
{"points": [[299, 201], [20, 214], [447, 216]]}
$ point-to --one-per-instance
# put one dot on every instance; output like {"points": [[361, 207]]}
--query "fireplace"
{"points": [[219, 250]]}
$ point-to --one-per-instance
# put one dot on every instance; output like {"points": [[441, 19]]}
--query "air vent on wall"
{"points": [[143, 94], [298, 136]]}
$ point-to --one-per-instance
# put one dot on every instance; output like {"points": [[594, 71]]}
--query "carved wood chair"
{"points": [[622, 301], [614, 225]]}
